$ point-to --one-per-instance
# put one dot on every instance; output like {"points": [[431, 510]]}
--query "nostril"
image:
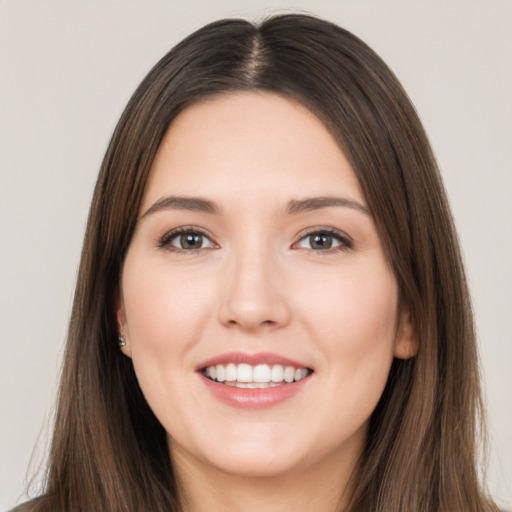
{"points": [[251, 323]]}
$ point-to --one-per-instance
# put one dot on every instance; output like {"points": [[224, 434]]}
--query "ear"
{"points": [[406, 343], [122, 326]]}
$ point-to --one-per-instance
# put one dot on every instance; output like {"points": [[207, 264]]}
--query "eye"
{"points": [[324, 241], [186, 240]]}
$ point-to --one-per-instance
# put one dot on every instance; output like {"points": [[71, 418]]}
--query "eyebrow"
{"points": [[196, 204], [294, 207], [316, 203]]}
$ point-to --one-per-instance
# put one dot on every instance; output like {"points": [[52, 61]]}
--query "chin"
{"points": [[261, 465], [250, 456]]}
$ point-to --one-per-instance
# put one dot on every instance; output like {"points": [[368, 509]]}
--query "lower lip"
{"points": [[244, 398]]}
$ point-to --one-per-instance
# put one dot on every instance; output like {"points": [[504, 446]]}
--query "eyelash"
{"points": [[345, 243], [166, 241]]}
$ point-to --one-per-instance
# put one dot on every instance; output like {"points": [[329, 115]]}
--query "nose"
{"points": [[254, 296]]}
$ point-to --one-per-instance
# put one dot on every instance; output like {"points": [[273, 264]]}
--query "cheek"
{"points": [[165, 310], [352, 315], [166, 315]]}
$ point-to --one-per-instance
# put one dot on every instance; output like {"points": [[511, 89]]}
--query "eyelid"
{"points": [[164, 241], [345, 240]]}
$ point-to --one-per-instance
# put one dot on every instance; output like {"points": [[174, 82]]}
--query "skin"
{"points": [[258, 284]]}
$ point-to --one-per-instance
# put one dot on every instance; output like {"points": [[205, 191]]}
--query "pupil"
{"points": [[321, 242], [192, 241]]}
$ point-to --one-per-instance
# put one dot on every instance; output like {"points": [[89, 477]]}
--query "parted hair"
{"points": [[109, 452]]}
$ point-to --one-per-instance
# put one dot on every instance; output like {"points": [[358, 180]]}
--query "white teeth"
{"points": [[221, 373], [289, 373], [261, 373], [230, 372], [259, 376], [252, 385], [244, 373], [277, 373]]}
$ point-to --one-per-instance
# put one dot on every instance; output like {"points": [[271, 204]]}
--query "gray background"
{"points": [[67, 70]]}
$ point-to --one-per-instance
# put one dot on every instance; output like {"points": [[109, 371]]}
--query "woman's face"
{"points": [[255, 262]]}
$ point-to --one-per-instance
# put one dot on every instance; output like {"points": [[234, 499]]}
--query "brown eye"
{"points": [[189, 241], [324, 241], [321, 241], [186, 240]]}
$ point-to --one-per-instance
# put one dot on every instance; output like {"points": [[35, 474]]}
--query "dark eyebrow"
{"points": [[182, 203], [294, 207], [315, 203]]}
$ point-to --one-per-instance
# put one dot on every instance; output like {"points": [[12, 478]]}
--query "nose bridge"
{"points": [[253, 294]]}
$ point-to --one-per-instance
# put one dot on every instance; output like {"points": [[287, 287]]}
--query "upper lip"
{"points": [[252, 359]]}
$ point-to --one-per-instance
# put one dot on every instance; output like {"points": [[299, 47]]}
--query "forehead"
{"points": [[249, 141]]}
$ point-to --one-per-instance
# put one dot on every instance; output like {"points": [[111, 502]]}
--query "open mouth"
{"points": [[260, 376]]}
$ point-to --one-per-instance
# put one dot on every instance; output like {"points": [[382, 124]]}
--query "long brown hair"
{"points": [[109, 452]]}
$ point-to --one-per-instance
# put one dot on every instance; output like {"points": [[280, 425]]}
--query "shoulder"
{"points": [[35, 505], [24, 507]]}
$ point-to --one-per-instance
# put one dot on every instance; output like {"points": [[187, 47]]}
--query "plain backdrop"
{"points": [[68, 68]]}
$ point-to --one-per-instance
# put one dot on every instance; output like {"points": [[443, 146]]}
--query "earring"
{"points": [[121, 342]]}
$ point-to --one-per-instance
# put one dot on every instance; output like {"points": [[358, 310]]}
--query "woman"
{"points": [[271, 309]]}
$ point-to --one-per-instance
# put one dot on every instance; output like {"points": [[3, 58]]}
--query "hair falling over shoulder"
{"points": [[109, 452]]}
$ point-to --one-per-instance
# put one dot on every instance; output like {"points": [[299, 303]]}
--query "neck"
{"points": [[208, 489]]}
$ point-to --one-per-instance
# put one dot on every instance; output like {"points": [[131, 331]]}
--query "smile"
{"points": [[258, 376], [253, 381]]}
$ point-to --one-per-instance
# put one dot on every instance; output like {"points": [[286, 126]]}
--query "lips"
{"points": [[253, 380]]}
